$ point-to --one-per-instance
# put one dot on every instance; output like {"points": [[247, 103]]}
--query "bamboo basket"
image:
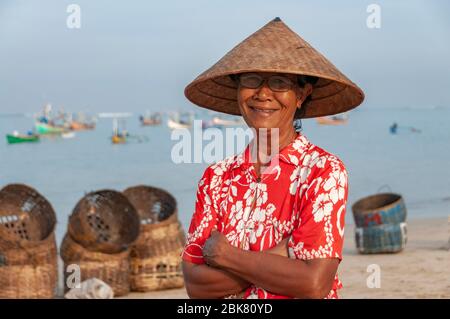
{"points": [[387, 238], [28, 254], [155, 259], [379, 209], [113, 269], [104, 221]]}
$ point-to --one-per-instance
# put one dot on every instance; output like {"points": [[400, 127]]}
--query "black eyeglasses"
{"points": [[277, 83]]}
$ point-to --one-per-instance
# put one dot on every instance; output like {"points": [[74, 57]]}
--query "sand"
{"points": [[421, 270]]}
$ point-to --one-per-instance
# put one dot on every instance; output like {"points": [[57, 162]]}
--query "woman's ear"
{"points": [[303, 93]]}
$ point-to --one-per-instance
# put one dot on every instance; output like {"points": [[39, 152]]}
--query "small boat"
{"points": [[44, 128], [120, 134], [80, 126], [174, 125], [395, 127], [332, 120], [68, 135], [223, 122], [154, 119], [80, 122], [180, 120], [16, 138], [118, 139], [209, 124]]}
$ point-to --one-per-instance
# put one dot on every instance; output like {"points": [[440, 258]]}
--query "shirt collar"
{"points": [[290, 154]]}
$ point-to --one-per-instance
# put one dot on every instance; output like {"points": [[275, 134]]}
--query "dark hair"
{"points": [[302, 80], [234, 78]]}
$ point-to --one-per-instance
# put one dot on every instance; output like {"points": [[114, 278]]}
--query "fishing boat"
{"points": [[175, 122], [16, 138], [223, 122], [174, 125], [45, 128], [395, 127], [118, 139], [46, 123], [154, 119], [120, 134], [68, 135], [209, 124], [80, 122], [332, 120], [79, 126]]}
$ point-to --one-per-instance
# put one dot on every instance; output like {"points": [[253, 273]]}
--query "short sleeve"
{"points": [[203, 221], [320, 233]]}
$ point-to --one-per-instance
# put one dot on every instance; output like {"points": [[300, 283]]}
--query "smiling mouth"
{"points": [[262, 111]]}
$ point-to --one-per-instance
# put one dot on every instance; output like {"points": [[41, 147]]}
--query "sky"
{"points": [[139, 55]]}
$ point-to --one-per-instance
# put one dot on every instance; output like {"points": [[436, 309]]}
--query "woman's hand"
{"points": [[216, 246], [280, 249]]}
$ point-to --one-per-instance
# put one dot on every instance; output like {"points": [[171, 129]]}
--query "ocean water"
{"points": [[415, 165]]}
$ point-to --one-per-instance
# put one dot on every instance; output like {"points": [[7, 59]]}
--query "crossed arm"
{"points": [[230, 270]]}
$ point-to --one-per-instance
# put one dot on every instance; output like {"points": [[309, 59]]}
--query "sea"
{"points": [[414, 162]]}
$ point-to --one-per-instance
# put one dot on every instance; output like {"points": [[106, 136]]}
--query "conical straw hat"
{"points": [[275, 48]]}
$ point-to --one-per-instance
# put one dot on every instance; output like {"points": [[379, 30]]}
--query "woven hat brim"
{"points": [[329, 96], [333, 93]]}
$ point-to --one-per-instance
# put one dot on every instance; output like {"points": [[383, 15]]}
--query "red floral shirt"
{"points": [[301, 195]]}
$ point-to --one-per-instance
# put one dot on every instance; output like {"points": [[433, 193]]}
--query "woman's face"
{"points": [[267, 106]]}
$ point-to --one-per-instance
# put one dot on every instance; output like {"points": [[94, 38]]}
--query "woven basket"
{"points": [[379, 209], [28, 255], [28, 282], [388, 238], [26, 216], [104, 221], [113, 269], [156, 255], [152, 204], [29, 272]]}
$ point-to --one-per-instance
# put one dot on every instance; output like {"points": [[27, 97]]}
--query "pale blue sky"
{"points": [[138, 55]]}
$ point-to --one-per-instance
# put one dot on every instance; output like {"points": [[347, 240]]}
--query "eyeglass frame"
{"points": [[266, 79]]}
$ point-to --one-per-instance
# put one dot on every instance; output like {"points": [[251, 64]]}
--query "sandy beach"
{"points": [[420, 271]]}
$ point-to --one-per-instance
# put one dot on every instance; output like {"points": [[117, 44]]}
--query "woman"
{"points": [[270, 229]]}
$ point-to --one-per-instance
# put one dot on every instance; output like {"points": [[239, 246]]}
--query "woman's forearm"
{"points": [[281, 275], [203, 281]]}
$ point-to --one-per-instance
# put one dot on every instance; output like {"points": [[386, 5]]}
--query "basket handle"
{"points": [[383, 187]]}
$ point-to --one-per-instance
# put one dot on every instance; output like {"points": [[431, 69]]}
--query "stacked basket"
{"points": [[101, 229], [380, 223], [155, 257], [28, 258]]}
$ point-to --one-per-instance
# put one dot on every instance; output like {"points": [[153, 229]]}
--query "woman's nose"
{"points": [[263, 92]]}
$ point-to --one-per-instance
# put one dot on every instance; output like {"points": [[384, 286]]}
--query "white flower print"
{"points": [[293, 159], [300, 191], [294, 181], [322, 207], [255, 234], [335, 185], [300, 175], [235, 209], [261, 193], [259, 214]]}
